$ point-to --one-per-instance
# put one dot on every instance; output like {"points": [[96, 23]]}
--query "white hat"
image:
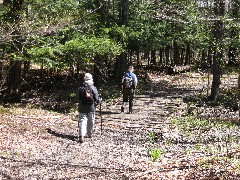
{"points": [[88, 77]]}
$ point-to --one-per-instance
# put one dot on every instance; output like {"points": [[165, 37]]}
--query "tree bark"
{"points": [[123, 13], [188, 55], [175, 54], [168, 59], [153, 58], [102, 11], [238, 99], [218, 54], [1, 62], [160, 57], [235, 14], [14, 75], [121, 63], [26, 68], [138, 57], [14, 82], [232, 54]]}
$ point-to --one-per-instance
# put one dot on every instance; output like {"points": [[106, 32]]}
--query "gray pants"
{"points": [[86, 123]]}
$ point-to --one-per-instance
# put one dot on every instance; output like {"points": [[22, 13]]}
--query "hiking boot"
{"points": [[130, 107], [130, 110], [122, 109], [81, 139]]}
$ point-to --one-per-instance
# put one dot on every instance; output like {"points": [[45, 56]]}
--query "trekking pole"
{"points": [[101, 116], [100, 109]]}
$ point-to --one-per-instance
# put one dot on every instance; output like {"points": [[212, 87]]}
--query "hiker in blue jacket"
{"points": [[88, 98], [129, 84]]}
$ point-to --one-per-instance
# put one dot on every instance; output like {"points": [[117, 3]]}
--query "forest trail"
{"points": [[148, 112], [163, 98], [42, 144]]}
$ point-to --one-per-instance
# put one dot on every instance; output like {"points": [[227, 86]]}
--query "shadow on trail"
{"points": [[108, 112], [194, 94], [164, 89], [64, 136], [69, 165]]}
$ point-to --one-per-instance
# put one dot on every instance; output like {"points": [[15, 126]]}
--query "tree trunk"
{"points": [[181, 56], [218, 54], [26, 68], [188, 55], [138, 57], [153, 58], [216, 76], [238, 99], [232, 53], [14, 75], [160, 57], [14, 82], [102, 11], [121, 63], [123, 13], [167, 51], [1, 71], [175, 54], [1, 62], [78, 68], [100, 62], [146, 57], [209, 57], [235, 54]]}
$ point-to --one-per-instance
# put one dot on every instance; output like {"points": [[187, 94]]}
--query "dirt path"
{"points": [[42, 145]]}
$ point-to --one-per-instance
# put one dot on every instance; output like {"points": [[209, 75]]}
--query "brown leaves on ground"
{"points": [[39, 144]]}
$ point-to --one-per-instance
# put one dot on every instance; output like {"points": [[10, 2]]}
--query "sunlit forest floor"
{"points": [[173, 133]]}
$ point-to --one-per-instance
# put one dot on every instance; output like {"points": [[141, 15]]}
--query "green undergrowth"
{"points": [[200, 130], [216, 141], [210, 143], [193, 123], [155, 153], [4, 110]]}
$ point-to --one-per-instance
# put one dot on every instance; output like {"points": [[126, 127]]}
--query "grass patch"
{"points": [[155, 153], [4, 110]]}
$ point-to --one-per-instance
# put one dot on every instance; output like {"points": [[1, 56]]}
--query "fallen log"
{"points": [[178, 69]]}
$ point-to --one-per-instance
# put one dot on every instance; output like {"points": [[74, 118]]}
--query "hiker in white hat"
{"points": [[88, 98]]}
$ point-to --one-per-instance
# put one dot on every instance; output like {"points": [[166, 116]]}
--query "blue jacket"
{"points": [[132, 75]]}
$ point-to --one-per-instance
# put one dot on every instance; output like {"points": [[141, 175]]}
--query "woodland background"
{"points": [[43, 40], [185, 123]]}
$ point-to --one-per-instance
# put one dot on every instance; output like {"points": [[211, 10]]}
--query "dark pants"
{"points": [[128, 96]]}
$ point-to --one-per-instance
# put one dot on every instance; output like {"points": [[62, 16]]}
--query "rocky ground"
{"points": [[172, 134]]}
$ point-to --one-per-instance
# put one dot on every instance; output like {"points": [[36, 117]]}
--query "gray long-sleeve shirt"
{"points": [[86, 108]]}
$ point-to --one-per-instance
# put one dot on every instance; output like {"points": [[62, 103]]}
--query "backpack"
{"points": [[87, 95], [128, 81]]}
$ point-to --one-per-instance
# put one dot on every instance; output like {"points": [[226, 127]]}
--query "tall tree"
{"points": [[121, 63], [14, 76], [233, 51], [236, 14], [219, 7]]}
